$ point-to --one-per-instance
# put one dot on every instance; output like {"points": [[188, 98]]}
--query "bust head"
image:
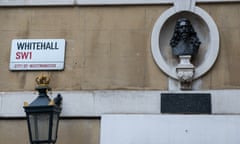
{"points": [[184, 31], [185, 28]]}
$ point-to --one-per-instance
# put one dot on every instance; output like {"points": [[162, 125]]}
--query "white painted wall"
{"points": [[170, 129]]}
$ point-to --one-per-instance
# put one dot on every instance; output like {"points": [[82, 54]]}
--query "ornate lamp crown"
{"points": [[42, 80]]}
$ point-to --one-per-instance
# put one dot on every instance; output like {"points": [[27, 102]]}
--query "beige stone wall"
{"points": [[109, 47], [225, 72], [86, 131]]}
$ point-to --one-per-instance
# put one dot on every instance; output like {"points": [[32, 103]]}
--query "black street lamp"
{"points": [[43, 114]]}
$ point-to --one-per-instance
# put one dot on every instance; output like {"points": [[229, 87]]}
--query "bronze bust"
{"points": [[184, 40]]}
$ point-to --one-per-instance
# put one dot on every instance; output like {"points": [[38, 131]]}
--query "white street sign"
{"points": [[37, 54]]}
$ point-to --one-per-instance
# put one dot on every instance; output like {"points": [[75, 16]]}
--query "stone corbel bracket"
{"points": [[205, 27], [185, 72]]}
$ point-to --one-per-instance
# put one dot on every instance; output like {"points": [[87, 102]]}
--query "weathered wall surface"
{"points": [[225, 72], [109, 47], [70, 131]]}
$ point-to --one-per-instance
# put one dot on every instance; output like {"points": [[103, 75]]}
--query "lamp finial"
{"points": [[42, 80]]}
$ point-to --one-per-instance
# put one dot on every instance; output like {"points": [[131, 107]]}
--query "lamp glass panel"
{"points": [[55, 126], [39, 125]]}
